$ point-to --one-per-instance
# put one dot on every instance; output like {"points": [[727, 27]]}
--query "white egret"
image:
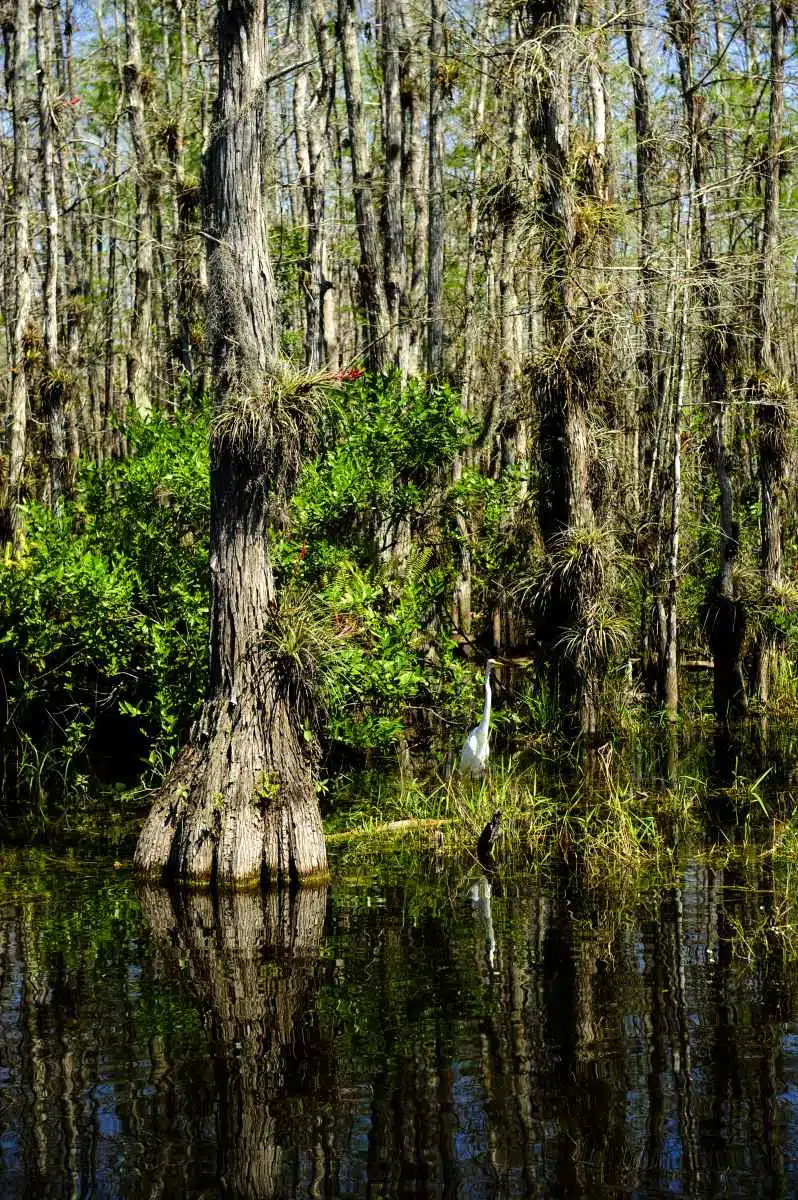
{"points": [[475, 750]]}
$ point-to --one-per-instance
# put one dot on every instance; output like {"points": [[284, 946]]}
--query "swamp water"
{"points": [[415, 1029]]}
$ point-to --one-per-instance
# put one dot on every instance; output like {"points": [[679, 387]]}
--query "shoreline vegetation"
{"points": [[319, 398], [104, 620]]}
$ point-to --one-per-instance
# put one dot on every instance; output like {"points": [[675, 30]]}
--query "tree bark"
{"points": [[16, 35], [644, 162], [414, 183], [240, 803], [768, 387], [370, 272], [436, 228], [393, 232], [139, 363], [564, 385], [52, 387], [73, 286], [312, 102], [725, 614], [471, 335]]}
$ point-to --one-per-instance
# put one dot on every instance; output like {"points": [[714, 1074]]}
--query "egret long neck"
{"points": [[486, 710]]}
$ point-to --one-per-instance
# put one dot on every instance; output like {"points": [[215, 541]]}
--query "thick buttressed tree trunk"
{"points": [[240, 802]]}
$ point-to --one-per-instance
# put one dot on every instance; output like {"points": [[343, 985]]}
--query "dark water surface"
{"points": [[430, 1033]]}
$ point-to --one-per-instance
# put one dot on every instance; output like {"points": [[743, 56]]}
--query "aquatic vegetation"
{"points": [[600, 824]]}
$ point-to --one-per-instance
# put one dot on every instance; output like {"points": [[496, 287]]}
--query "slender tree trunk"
{"points": [[240, 802], [513, 425], [414, 181], [52, 382], [393, 232], [725, 614], [479, 135], [370, 273], [644, 161], [140, 378], [311, 113], [648, 409], [769, 388], [113, 436], [563, 391], [671, 663], [72, 204], [436, 229], [182, 202], [17, 38], [670, 673]]}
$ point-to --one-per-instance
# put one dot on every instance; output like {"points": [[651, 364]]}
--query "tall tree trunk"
{"points": [[644, 162], [113, 438], [52, 384], [16, 34], [311, 113], [140, 377], [670, 696], [414, 182], [513, 424], [73, 216], [479, 136], [725, 614], [437, 91], [183, 202], [240, 802], [649, 413], [393, 232], [768, 385], [680, 16], [370, 272], [563, 387]]}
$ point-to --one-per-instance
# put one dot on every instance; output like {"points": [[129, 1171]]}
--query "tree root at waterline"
{"points": [[239, 805]]}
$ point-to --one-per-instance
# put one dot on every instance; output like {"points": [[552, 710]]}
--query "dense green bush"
{"points": [[103, 613], [103, 608], [387, 460]]}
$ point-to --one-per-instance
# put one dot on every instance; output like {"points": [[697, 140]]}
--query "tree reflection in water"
{"points": [[444, 1034], [251, 961]]}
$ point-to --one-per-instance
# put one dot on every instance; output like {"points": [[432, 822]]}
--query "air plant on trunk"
{"points": [[577, 598], [277, 420]]}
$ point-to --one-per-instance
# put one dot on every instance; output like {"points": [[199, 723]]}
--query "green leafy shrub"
{"points": [[393, 670], [103, 613], [385, 450]]}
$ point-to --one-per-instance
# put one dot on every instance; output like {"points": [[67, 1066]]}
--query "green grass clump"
{"points": [[597, 825]]}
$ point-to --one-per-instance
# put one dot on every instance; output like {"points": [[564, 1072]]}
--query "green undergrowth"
{"points": [[607, 813], [592, 823], [104, 637]]}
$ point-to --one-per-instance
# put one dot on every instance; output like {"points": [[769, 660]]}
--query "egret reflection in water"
{"points": [[408, 1034]]}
